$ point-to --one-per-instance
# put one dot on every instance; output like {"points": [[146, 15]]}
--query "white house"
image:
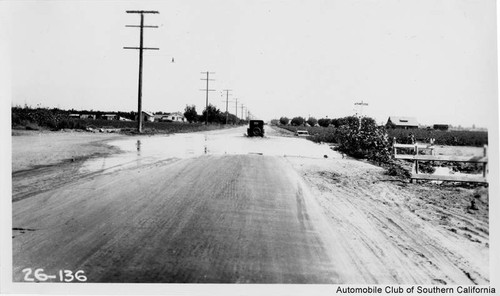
{"points": [[170, 117], [177, 116]]}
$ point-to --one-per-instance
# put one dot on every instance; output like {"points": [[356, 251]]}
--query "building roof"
{"points": [[402, 121], [169, 114]]}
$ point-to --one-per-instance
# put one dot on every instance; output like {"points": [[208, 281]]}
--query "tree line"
{"points": [[311, 121], [214, 115]]}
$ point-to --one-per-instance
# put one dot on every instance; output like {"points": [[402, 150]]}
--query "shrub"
{"points": [[297, 121], [274, 121], [190, 113], [364, 141], [312, 121], [324, 122], [324, 135], [284, 120], [394, 168], [335, 122], [214, 115]]}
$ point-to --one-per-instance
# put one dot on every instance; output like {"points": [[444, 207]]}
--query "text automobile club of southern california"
{"points": [[416, 289]]}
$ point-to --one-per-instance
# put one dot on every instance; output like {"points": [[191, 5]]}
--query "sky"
{"points": [[435, 60]]}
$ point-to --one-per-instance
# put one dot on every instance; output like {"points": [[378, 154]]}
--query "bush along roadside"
{"points": [[361, 138]]}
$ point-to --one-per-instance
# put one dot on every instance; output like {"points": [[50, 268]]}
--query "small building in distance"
{"points": [[74, 115], [147, 116], [123, 119], [87, 116], [109, 116], [402, 122], [161, 117], [442, 127], [170, 117]]}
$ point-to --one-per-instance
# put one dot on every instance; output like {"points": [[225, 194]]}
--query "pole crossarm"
{"points": [[361, 103], [143, 11], [145, 48], [138, 26]]}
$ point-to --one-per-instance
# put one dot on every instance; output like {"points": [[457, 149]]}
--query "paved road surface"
{"points": [[210, 207]]}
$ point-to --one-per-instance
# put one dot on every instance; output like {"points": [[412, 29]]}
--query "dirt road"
{"points": [[218, 207]]}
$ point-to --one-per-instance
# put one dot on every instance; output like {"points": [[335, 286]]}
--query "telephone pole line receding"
{"points": [[207, 90], [236, 109], [141, 48], [227, 101]]}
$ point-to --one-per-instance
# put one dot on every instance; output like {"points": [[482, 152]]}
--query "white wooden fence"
{"points": [[416, 157]]}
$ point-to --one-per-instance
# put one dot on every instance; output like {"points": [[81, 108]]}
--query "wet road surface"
{"points": [[212, 207]]}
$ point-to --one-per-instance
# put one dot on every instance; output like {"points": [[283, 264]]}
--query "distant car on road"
{"points": [[301, 133], [255, 128]]}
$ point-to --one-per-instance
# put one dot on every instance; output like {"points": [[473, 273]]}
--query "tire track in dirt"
{"points": [[395, 229]]}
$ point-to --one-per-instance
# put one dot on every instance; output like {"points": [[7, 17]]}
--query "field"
{"points": [[124, 126], [447, 138], [317, 133]]}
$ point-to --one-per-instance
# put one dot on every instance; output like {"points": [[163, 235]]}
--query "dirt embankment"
{"points": [[408, 233]]}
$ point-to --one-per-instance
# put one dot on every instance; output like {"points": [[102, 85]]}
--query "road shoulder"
{"points": [[408, 233]]}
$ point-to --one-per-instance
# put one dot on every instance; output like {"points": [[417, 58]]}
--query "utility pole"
{"points": [[242, 112], [207, 90], [236, 109], [361, 104], [227, 101], [141, 48]]}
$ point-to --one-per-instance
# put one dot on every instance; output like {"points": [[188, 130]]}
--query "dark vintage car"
{"points": [[255, 128]]}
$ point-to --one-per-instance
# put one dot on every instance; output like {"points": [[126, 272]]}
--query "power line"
{"points": [[207, 90], [141, 48]]}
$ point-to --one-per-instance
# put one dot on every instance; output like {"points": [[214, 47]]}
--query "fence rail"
{"points": [[416, 157]]}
